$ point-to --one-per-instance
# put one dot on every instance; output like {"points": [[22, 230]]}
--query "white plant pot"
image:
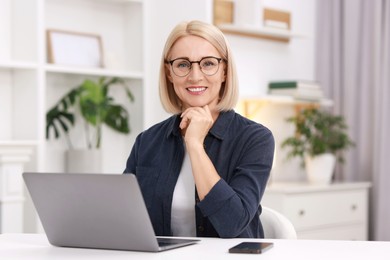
{"points": [[320, 168], [83, 161]]}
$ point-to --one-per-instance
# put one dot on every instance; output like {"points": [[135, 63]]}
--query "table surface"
{"points": [[36, 246]]}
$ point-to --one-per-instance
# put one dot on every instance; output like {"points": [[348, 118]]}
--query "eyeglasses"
{"points": [[208, 65]]}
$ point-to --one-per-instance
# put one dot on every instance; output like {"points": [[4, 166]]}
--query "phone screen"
{"points": [[251, 247]]}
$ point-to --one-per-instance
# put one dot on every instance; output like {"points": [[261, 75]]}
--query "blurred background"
{"points": [[52, 51]]}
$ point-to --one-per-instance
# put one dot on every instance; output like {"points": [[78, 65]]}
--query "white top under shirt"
{"points": [[183, 222]]}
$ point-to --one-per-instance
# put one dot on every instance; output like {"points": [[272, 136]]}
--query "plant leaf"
{"points": [[57, 117], [117, 118]]}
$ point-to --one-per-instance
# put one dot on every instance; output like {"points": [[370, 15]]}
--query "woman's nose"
{"points": [[195, 73]]}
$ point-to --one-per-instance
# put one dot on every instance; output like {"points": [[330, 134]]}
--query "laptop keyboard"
{"points": [[168, 241]]}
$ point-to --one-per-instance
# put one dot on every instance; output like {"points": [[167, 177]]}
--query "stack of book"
{"points": [[303, 90]]}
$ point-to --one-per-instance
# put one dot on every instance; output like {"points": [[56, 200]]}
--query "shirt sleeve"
{"points": [[131, 160], [232, 204]]}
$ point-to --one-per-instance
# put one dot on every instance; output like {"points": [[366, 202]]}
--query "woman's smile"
{"points": [[196, 90]]}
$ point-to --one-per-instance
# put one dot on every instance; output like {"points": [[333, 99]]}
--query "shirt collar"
{"points": [[218, 130], [222, 123]]}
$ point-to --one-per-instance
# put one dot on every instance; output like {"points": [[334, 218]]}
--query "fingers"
{"points": [[205, 111], [197, 117], [184, 122], [198, 113]]}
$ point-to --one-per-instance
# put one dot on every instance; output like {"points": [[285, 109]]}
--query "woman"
{"points": [[202, 171]]}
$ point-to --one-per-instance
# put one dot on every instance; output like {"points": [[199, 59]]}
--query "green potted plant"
{"points": [[96, 107], [320, 137]]}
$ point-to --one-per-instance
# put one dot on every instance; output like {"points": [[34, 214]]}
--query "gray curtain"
{"points": [[353, 65]]}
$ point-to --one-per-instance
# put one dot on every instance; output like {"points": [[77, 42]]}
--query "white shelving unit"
{"points": [[29, 85]]}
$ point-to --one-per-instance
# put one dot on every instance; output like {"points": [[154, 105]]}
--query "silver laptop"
{"points": [[105, 211]]}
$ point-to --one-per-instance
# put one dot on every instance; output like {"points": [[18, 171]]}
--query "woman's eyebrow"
{"points": [[186, 58]]}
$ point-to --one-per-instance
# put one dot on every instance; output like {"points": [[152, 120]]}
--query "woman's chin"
{"points": [[201, 104]]}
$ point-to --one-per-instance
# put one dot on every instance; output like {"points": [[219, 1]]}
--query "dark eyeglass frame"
{"points": [[198, 61]]}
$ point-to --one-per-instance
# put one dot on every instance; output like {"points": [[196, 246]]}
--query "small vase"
{"points": [[84, 161], [320, 168]]}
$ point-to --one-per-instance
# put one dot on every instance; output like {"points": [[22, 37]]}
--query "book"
{"points": [[306, 90], [293, 84]]}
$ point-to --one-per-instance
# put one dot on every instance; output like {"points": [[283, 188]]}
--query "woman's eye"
{"points": [[183, 65], [208, 64]]}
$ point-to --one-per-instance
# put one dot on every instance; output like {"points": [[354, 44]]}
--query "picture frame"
{"points": [[74, 49], [223, 12]]}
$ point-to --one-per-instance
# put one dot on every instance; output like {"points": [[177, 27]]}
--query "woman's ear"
{"points": [[224, 74], [168, 73]]}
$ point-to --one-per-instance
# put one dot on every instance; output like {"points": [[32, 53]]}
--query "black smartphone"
{"points": [[251, 247]]}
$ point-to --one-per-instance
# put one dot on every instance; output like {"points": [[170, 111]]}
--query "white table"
{"points": [[36, 246]]}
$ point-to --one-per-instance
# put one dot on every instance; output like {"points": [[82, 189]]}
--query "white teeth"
{"points": [[196, 89]]}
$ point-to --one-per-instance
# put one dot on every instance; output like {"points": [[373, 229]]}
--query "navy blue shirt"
{"points": [[242, 153]]}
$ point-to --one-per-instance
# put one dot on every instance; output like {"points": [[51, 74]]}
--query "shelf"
{"points": [[18, 143], [252, 105], [94, 72], [287, 100], [17, 65], [122, 1], [257, 32]]}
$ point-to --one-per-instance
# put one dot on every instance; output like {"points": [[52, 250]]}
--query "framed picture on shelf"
{"points": [[223, 12], [74, 49]]}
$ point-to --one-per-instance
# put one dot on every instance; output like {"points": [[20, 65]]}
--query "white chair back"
{"points": [[276, 225]]}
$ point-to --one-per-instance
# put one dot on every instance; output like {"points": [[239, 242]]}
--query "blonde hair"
{"points": [[229, 89]]}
